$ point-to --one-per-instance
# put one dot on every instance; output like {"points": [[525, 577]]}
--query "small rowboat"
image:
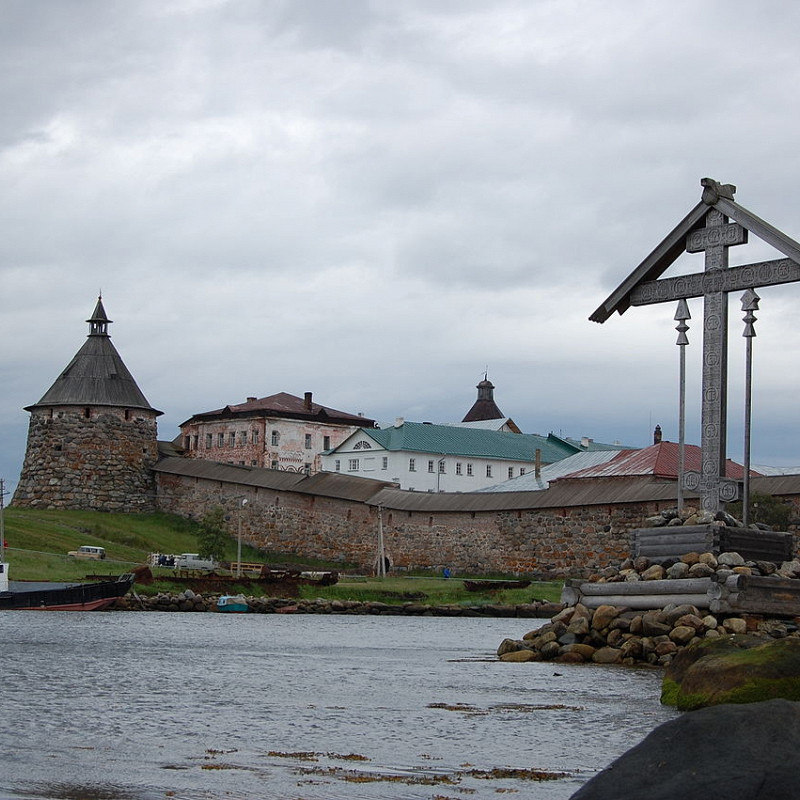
{"points": [[493, 586], [232, 604]]}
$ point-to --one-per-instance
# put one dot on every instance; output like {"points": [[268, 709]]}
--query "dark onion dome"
{"points": [[96, 376]]}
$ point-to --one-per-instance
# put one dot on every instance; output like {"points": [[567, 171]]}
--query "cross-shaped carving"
{"points": [[707, 228]]}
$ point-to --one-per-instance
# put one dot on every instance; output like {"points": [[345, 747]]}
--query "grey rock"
{"points": [[756, 759], [790, 569], [607, 655], [670, 615], [653, 573], [641, 563], [700, 570], [730, 560], [678, 570], [653, 626]]}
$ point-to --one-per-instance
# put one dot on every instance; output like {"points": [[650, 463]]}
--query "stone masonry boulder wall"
{"points": [[614, 634]]}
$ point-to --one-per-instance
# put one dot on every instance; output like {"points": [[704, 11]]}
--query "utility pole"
{"points": [[381, 551], [242, 504]]}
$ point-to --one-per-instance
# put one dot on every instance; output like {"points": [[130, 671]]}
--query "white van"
{"points": [[193, 561], [88, 551]]}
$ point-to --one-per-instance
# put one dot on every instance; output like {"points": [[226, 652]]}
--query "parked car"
{"points": [[193, 561], [88, 551]]}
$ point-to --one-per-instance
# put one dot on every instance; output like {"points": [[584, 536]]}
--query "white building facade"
{"points": [[441, 458]]}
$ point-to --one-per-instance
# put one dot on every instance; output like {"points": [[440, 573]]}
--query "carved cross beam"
{"points": [[713, 284]]}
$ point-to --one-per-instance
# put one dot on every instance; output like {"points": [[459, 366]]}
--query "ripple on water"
{"points": [[139, 706]]}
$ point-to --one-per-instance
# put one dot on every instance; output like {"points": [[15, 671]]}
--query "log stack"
{"points": [[662, 543]]}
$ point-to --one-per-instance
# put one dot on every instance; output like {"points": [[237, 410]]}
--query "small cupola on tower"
{"points": [[99, 320], [485, 406], [92, 435]]}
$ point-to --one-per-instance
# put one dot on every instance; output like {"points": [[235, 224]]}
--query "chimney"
{"points": [[657, 435], [537, 463], [586, 441], [307, 401], [398, 422], [251, 399]]}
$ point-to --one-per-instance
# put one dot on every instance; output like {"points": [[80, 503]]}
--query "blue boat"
{"points": [[232, 604]]}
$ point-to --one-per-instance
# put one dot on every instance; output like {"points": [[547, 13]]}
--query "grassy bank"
{"points": [[38, 542], [428, 590]]}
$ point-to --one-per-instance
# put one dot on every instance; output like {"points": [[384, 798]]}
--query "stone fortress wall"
{"points": [[550, 543]]}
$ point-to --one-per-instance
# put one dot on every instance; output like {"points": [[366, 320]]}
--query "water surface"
{"points": [[138, 706]]}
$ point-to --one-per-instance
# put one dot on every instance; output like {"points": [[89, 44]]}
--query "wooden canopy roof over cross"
{"points": [[708, 227], [668, 251]]}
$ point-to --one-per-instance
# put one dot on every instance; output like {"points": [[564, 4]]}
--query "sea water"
{"points": [[138, 706]]}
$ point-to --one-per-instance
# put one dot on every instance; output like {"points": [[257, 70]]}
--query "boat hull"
{"points": [[42, 596], [232, 604], [493, 586]]}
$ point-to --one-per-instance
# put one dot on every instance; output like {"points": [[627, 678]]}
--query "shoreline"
{"points": [[193, 602]]}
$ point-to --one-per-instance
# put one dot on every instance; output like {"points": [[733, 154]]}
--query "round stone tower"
{"points": [[92, 436]]}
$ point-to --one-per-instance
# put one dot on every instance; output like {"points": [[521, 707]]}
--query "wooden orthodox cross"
{"points": [[707, 228]]}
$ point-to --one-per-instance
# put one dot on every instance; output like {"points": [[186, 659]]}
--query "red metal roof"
{"points": [[659, 461]]}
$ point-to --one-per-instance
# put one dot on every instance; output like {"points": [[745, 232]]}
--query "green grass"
{"points": [[38, 543], [430, 591]]}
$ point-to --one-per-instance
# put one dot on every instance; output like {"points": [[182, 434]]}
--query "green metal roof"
{"points": [[470, 442], [591, 445]]}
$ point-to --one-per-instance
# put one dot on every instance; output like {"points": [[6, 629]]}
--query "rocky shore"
{"points": [[611, 634], [190, 601]]}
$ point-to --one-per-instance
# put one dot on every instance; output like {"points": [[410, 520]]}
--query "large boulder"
{"points": [[732, 669], [747, 752]]}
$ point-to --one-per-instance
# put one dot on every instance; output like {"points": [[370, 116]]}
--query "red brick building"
{"points": [[281, 431]]}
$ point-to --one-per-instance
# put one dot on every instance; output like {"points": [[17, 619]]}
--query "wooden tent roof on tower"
{"points": [[96, 376]]}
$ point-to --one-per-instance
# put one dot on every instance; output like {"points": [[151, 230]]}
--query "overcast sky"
{"points": [[377, 201]]}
